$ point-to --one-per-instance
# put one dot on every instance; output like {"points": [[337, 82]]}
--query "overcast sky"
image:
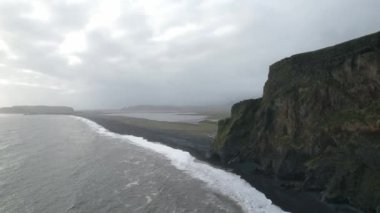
{"points": [[115, 53]]}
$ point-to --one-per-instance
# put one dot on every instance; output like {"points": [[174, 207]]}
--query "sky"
{"points": [[97, 54]]}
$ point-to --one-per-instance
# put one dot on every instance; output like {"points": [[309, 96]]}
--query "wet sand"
{"points": [[199, 145]]}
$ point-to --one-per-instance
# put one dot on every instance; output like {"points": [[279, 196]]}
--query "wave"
{"points": [[221, 181]]}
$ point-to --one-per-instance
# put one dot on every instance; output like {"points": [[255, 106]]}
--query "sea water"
{"points": [[52, 163]]}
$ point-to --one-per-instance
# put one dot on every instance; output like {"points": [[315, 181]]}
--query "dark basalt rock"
{"points": [[317, 124]]}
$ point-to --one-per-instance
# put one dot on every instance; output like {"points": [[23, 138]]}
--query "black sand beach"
{"points": [[198, 145]]}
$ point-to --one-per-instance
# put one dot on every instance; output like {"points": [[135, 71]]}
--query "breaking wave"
{"points": [[221, 181]]}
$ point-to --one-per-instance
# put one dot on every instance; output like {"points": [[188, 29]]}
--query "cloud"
{"points": [[176, 32], [113, 53], [73, 42], [39, 12]]}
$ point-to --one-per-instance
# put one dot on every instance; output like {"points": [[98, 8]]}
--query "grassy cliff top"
{"points": [[345, 49]]}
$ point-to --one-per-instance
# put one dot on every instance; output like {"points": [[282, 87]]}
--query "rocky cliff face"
{"points": [[317, 124]]}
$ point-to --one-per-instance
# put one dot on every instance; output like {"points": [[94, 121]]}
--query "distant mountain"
{"points": [[183, 109], [37, 110], [152, 108]]}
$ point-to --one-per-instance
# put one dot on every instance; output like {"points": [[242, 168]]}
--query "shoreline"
{"points": [[198, 146]]}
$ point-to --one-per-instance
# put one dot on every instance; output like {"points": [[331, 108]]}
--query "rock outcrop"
{"points": [[317, 125]]}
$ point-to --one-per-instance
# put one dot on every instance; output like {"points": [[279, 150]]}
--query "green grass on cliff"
{"points": [[366, 116], [238, 125]]}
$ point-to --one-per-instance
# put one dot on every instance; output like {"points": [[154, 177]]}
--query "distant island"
{"points": [[31, 110]]}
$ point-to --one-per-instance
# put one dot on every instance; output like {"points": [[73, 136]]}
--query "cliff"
{"points": [[38, 110], [317, 126]]}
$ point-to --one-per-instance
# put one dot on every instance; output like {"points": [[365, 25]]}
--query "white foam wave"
{"points": [[226, 183], [4, 146]]}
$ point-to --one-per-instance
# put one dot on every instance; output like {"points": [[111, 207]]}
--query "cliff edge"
{"points": [[317, 125]]}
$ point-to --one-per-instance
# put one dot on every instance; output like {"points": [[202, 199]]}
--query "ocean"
{"points": [[53, 164]]}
